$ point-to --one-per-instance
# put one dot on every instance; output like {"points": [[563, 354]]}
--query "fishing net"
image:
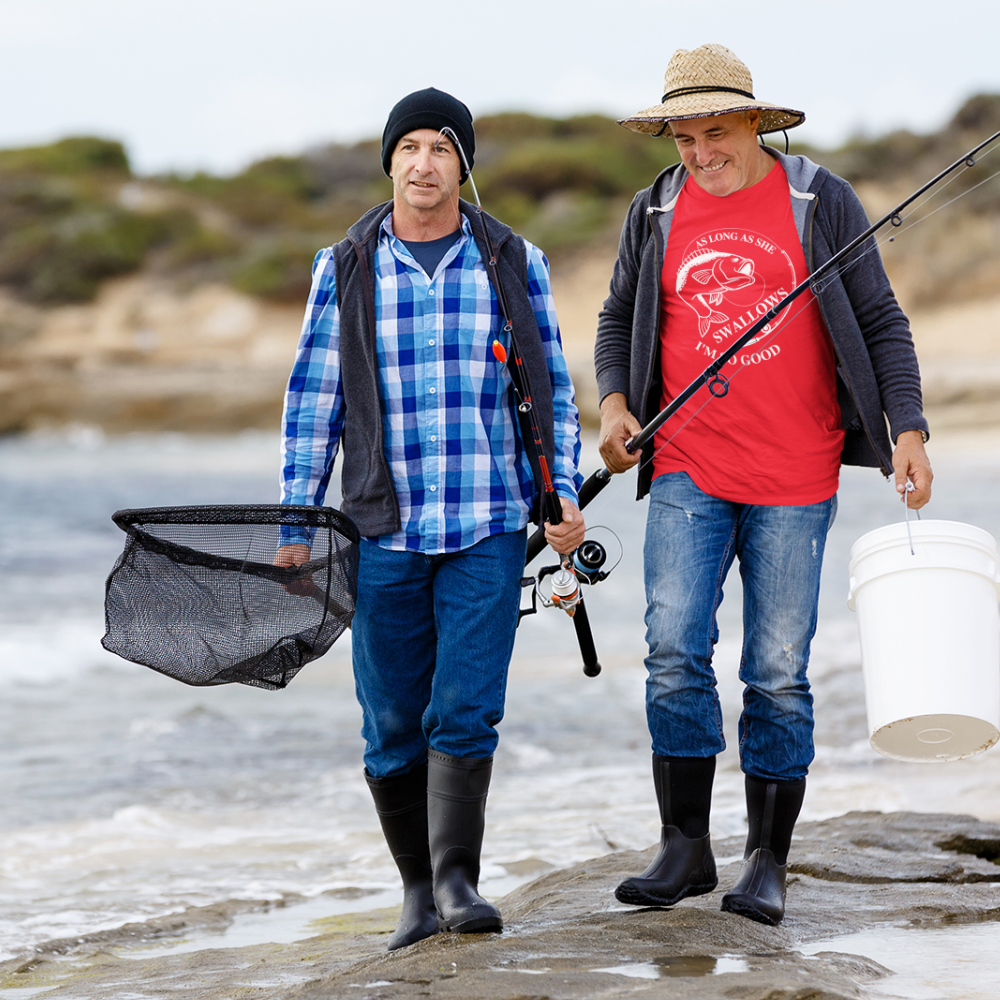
{"points": [[195, 594]]}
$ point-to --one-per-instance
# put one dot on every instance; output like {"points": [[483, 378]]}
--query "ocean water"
{"points": [[125, 795]]}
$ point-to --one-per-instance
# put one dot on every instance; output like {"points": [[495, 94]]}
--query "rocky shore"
{"points": [[567, 937], [151, 355]]}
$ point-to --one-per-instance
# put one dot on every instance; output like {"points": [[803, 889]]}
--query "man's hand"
{"points": [[909, 460], [292, 555], [295, 555], [617, 426], [566, 536]]}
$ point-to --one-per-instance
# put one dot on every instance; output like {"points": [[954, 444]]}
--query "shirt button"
{"points": [[430, 291], [433, 489], [431, 342], [432, 390], [434, 437]]}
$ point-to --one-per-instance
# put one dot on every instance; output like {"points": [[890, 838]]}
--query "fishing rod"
{"points": [[550, 499], [717, 383], [566, 593]]}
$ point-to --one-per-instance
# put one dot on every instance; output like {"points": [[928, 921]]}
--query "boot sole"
{"points": [[477, 925], [415, 935], [745, 908], [633, 896]]}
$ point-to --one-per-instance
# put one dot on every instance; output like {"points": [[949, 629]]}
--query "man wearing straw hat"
{"points": [[707, 249], [397, 359]]}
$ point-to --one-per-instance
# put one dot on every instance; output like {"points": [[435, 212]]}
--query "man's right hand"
{"points": [[617, 426], [292, 555], [295, 555]]}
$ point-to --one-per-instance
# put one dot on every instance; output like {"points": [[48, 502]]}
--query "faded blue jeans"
{"points": [[691, 542], [432, 638]]}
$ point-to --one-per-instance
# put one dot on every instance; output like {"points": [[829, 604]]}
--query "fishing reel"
{"points": [[583, 567], [565, 587], [564, 590]]}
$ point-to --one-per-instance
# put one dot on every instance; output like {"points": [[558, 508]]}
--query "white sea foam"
{"points": [[66, 649]]}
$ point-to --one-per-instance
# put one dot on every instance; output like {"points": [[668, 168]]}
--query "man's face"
{"points": [[720, 152], [425, 169]]}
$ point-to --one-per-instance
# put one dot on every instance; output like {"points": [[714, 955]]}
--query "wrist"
{"points": [[565, 492], [614, 405]]}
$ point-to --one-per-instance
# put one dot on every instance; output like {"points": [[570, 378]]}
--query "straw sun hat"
{"points": [[708, 80]]}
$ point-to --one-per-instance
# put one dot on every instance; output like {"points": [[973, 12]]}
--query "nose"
{"points": [[704, 150], [423, 164]]}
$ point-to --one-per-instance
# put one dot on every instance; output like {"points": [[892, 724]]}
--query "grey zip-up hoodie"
{"points": [[877, 373]]}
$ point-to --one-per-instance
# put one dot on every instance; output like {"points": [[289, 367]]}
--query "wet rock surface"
{"points": [[567, 937]]}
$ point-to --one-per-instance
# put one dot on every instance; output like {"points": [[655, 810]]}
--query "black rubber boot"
{"points": [[401, 804], [684, 865], [456, 816], [772, 809]]}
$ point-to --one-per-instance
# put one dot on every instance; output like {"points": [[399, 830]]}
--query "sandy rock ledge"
{"points": [[566, 935]]}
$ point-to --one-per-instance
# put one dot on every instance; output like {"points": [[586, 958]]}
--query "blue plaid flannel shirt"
{"points": [[457, 462]]}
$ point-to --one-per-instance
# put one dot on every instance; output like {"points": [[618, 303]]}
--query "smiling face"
{"points": [[721, 151], [426, 173]]}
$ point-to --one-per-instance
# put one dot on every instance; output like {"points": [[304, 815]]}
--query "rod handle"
{"points": [[591, 666], [590, 489]]}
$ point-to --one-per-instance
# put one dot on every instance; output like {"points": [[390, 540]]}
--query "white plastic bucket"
{"points": [[930, 638]]}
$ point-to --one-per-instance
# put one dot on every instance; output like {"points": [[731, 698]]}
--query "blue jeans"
{"points": [[432, 638], [691, 541]]}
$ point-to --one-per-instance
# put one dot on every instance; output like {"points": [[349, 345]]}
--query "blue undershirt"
{"points": [[428, 253]]}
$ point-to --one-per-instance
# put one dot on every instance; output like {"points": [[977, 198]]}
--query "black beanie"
{"points": [[434, 109]]}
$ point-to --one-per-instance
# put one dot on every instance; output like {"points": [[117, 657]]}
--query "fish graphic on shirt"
{"points": [[716, 272]]}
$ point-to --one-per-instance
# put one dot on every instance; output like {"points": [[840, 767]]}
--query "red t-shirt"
{"points": [[776, 437]]}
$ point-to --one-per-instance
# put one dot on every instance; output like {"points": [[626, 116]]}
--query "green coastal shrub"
{"points": [[269, 192], [73, 156], [281, 272], [586, 155], [67, 220], [65, 259], [192, 243]]}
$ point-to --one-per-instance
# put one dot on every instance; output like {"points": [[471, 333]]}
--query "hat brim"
{"points": [[654, 120]]}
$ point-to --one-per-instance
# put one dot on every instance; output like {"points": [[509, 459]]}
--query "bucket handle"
{"points": [[905, 498]]}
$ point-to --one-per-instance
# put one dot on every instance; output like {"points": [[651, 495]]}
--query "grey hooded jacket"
{"points": [[877, 373]]}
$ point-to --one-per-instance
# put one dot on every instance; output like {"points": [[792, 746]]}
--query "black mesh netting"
{"points": [[195, 595]]}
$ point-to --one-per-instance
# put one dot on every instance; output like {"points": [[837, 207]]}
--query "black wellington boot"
{"points": [[401, 804], [684, 865], [456, 817], [772, 809]]}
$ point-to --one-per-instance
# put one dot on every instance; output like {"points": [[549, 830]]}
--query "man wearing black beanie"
{"points": [[396, 359], [432, 109]]}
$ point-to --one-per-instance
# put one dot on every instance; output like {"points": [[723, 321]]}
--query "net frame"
{"points": [[273, 667]]}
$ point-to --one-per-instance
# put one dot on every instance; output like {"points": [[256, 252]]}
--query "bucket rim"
{"points": [[878, 553], [896, 533]]}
